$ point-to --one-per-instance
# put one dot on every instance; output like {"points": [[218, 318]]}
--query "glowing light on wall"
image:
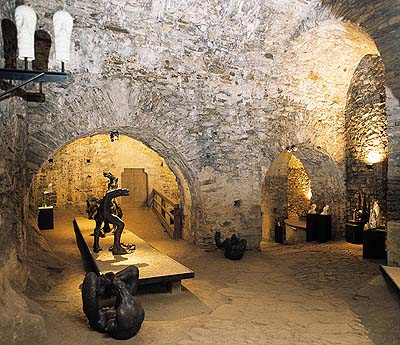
{"points": [[309, 194], [374, 156]]}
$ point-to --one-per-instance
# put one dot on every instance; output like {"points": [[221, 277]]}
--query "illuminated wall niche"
{"points": [[366, 135]]}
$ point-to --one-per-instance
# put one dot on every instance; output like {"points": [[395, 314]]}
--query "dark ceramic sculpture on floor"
{"points": [[234, 247], [110, 305]]}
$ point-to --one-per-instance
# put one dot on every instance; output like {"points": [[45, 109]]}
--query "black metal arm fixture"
{"points": [[25, 19]]}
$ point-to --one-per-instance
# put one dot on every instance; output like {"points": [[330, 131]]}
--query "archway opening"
{"points": [[287, 193], [74, 174], [366, 141], [293, 182]]}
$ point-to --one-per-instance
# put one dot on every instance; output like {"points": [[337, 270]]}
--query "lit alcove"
{"points": [[75, 173], [366, 140], [286, 194], [294, 181]]}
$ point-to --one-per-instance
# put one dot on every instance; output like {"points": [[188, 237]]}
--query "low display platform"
{"points": [[392, 276], [154, 267], [295, 230]]}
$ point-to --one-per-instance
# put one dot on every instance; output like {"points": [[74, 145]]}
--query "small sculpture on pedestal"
{"points": [[109, 305], [312, 209], [46, 193], [325, 210], [234, 246], [361, 210], [374, 221]]}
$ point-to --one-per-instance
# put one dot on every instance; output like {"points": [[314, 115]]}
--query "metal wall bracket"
{"points": [[29, 77]]}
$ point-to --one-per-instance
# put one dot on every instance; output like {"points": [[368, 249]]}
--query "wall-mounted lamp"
{"points": [[114, 135], [25, 20]]}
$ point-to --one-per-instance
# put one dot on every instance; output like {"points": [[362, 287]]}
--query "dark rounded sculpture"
{"points": [[110, 305], [234, 247]]}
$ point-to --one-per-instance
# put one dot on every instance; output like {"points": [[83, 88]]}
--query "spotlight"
{"points": [[114, 135]]}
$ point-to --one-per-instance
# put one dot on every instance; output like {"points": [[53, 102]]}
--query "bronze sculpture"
{"points": [[112, 180], [234, 247], [107, 211], [110, 305], [105, 214]]}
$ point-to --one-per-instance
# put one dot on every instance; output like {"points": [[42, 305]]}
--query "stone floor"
{"points": [[300, 294]]}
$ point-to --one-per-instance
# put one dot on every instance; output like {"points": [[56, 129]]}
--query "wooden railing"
{"points": [[169, 213]]}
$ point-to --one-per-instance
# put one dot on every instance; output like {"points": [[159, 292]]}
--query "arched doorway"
{"points": [[75, 172], [366, 139], [297, 178]]}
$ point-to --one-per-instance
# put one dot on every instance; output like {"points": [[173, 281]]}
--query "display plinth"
{"points": [[318, 227], [374, 244], [324, 228], [154, 267], [311, 227], [354, 232], [46, 218]]}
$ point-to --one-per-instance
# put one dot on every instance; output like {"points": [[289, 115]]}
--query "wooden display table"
{"points": [[295, 230], [154, 267]]}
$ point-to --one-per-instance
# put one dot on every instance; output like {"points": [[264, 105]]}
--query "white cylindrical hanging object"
{"points": [[25, 20], [62, 23]]}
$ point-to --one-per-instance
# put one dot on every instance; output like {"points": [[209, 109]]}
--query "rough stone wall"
{"points": [[299, 189], [327, 185], [325, 181], [380, 20], [274, 197], [18, 324], [366, 133], [76, 171], [12, 174], [226, 86], [314, 75]]}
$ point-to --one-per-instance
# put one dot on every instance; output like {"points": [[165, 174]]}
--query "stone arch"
{"points": [[175, 162], [366, 137], [380, 20], [327, 187]]}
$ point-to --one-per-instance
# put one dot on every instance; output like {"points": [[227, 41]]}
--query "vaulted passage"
{"points": [[224, 116], [76, 172], [294, 181], [74, 175]]}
